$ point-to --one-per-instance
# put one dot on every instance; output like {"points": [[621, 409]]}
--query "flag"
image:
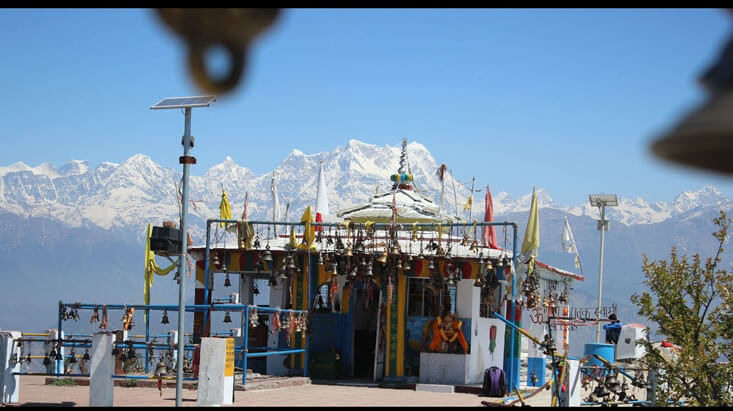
{"points": [[469, 203], [441, 176], [275, 204], [225, 210], [489, 233], [309, 232], [568, 244], [245, 214], [394, 206], [321, 198], [532, 235]]}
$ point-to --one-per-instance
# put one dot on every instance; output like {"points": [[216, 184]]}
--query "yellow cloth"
{"points": [[245, 232], [468, 204], [532, 235], [151, 266], [292, 242], [225, 209], [309, 233]]}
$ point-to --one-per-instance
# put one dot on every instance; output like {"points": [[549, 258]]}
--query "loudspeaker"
{"points": [[165, 240]]}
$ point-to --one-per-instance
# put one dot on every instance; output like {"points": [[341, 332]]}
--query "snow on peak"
{"points": [[74, 167]]}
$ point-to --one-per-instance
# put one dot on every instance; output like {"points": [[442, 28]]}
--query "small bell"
{"points": [[421, 255], [320, 258], [267, 255], [398, 264], [46, 360], [329, 242], [282, 277], [479, 281], [431, 265], [255, 289], [464, 240], [362, 262], [95, 315], [227, 282], [368, 271], [165, 317], [227, 317], [160, 370], [28, 358], [291, 263], [215, 260], [407, 267], [395, 250], [352, 273], [339, 243], [489, 265], [474, 246], [359, 248], [256, 244], [72, 360], [86, 357], [383, 257], [334, 270]]}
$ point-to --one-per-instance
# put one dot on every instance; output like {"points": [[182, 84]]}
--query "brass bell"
{"points": [[474, 246], [383, 257], [395, 250], [362, 262], [348, 251], [227, 317], [291, 263], [281, 277], [368, 271], [398, 264], [224, 265], [165, 317], [320, 258], [407, 267], [431, 265], [227, 282], [267, 255], [215, 260], [160, 370], [489, 265], [479, 281], [334, 270], [464, 240], [352, 273]]}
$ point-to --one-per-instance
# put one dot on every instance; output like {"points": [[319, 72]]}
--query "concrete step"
{"points": [[264, 382]]}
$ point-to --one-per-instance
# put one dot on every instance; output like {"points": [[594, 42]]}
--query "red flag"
{"points": [[489, 234], [319, 219]]}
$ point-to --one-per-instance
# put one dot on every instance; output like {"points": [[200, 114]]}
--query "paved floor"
{"points": [[33, 391]]}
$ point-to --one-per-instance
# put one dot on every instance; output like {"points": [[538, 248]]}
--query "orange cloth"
{"points": [[449, 335]]}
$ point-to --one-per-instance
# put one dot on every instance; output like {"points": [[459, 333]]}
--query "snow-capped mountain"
{"points": [[127, 195]]}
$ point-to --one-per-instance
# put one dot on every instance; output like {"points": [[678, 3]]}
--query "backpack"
{"points": [[494, 382]]}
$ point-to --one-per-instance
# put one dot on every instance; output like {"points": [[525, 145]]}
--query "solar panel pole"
{"points": [[181, 260]]}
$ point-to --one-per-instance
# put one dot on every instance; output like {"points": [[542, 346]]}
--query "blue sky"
{"points": [[568, 100]]}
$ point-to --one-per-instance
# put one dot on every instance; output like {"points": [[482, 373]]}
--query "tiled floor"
{"points": [[33, 391]]}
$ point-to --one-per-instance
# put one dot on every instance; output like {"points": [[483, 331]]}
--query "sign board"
{"points": [[229, 358]]}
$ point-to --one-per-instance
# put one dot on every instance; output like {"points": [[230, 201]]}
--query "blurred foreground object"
{"points": [[233, 29], [704, 138]]}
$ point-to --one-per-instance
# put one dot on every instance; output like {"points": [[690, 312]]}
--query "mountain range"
{"points": [[76, 232]]}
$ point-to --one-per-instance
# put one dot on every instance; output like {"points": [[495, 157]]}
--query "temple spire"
{"points": [[403, 178]]}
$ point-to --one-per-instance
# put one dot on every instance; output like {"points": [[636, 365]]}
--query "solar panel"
{"points": [[178, 102]]}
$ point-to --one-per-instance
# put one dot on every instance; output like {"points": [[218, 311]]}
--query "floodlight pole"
{"points": [[603, 226], [182, 259]]}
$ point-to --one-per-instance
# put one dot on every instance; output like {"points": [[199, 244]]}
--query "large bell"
{"points": [[160, 370], [704, 138], [348, 251], [227, 282], [395, 250]]}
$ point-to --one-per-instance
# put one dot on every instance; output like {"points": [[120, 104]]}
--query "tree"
{"points": [[691, 303]]}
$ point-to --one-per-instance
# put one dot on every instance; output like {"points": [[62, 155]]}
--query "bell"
{"points": [[383, 257], [352, 273], [160, 370], [28, 358], [421, 255], [46, 360], [359, 248], [431, 265], [369, 272], [464, 240], [165, 317], [291, 263], [395, 250], [224, 264], [398, 264], [282, 277], [339, 243], [451, 281], [407, 267], [72, 360], [227, 317], [362, 262], [474, 246], [329, 242], [479, 281], [256, 244], [215, 260], [320, 258], [489, 265], [86, 357], [348, 252], [227, 283], [612, 383], [267, 255], [334, 270]]}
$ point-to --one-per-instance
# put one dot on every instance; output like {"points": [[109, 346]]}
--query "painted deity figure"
{"points": [[448, 336]]}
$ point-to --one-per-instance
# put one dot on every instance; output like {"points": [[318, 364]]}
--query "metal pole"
{"points": [[182, 261], [600, 273], [512, 316]]}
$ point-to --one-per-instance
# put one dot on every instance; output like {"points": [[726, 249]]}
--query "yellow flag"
{"points": [[469, 202], [532, 235], [309, 233], [225, 210]]}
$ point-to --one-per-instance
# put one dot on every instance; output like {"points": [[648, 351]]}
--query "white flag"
{"points": [[275, 204], [568, 243]]}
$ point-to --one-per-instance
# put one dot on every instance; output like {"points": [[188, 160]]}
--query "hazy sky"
{"points": [[568, 100]]}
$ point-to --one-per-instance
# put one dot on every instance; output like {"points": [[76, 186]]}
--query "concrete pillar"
{"points": [[573, 387], [10, 357], [216, 372], [101, 369]]}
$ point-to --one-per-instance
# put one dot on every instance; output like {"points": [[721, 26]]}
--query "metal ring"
{"points": [[201, 75]]}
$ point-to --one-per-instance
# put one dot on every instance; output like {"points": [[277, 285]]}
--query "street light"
{"points": [[601, 201], [187, 103]]}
